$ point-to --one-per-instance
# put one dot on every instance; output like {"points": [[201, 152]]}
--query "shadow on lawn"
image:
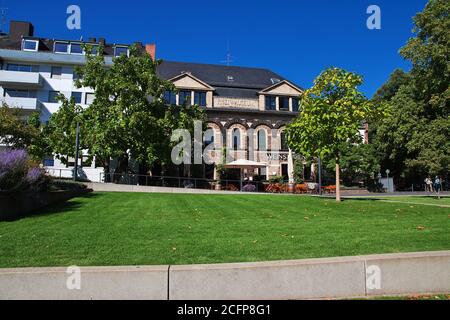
{"points": [[64, 206]]}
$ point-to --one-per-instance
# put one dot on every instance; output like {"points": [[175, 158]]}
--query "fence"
{"points": [[184, 182]]}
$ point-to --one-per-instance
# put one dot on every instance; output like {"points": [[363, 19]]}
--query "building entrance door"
{"points": [[284, 171]]}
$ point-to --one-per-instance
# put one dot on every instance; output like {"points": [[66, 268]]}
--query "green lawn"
{"points": [[139, 228]]}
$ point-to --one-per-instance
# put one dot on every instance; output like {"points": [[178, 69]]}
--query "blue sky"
{"points": [[294, 38]]}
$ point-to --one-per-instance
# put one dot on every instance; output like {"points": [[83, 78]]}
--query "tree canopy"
{"points": [[414, 141], [331, 113], [128, 116], [21, 131]]}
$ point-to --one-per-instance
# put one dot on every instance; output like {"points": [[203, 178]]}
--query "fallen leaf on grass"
{"points": [[420, 228], [306, 218]]}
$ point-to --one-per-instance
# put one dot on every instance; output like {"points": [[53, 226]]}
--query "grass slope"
{"points": [[139, 228]]}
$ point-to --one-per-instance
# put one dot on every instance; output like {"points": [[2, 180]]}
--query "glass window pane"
{"points": [[13, 67], [295, 104], [120, 50], [56, 72], [13, 93], [76, 48], [284, 145], [200, 98], [61, 47], [77, 96], [19, 67], [170, 97], [31, 45], [262, 140], [209, 136], [52, 95], [283, 103], [270, 103], [184, 97], [25, 68], [236, 139]]}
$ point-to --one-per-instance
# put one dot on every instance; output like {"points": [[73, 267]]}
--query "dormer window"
{"points": [[30, 45], [75, 48], [118, 51], [61, 47]]}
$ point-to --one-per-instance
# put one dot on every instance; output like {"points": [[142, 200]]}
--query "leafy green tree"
{"points": [[331, 113], [61, 129], [128, 117], [414, 141], [358, 164], [21, 131]]}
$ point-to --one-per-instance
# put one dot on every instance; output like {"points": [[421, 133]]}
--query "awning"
{"points": [[245, 164]]}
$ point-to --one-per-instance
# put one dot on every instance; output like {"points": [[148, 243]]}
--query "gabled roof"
{"points": [[218, 75], [280, 84], [182, 75]]}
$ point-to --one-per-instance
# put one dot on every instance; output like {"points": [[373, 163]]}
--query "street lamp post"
{"points": [[77, 146], [387, 177], [319, 163]]}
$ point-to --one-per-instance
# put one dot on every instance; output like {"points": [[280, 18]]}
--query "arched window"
{"points": [[284, 145], [208, 137], [236, 139], [262, 145]]}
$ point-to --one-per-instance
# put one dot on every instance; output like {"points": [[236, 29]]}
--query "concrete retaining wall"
{"points": [[340, 277], [105, 283], [15, 206], [305, 279]]}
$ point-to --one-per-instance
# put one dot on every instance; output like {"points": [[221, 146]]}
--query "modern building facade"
{"points": [[34, 71]]}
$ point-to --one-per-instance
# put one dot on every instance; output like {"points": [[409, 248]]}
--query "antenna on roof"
{"points": [[2, 16], [229, 58]]}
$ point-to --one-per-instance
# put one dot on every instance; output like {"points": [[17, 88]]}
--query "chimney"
{"points": [[102, 41], [19, 29], [151, 50]]}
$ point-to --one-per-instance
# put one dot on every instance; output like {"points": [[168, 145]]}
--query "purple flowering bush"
{"points": [[18, 172], [249, 188]]}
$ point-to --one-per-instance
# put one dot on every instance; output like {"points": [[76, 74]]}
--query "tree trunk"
{"points": [[338, 183]]}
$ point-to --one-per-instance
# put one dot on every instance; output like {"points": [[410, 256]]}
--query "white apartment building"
{"points": [[34, 71]]}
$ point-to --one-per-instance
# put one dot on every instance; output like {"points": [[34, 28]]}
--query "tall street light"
{"points": [[77, 146], [319, 164]]}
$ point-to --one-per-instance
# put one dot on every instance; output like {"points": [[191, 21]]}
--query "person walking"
{"points": [[428, 184], [437, 186]]}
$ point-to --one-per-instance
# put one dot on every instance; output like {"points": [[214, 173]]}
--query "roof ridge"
{"points": [[217, 65]]}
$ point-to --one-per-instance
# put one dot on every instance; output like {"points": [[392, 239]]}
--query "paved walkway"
{"points": [[345, 194], [417, 203]]}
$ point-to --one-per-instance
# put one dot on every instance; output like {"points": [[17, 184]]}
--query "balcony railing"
{"points": [[20, 79], [22, 103]]}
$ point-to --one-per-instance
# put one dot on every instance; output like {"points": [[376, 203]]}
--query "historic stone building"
{"points": [[247, 109]]}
